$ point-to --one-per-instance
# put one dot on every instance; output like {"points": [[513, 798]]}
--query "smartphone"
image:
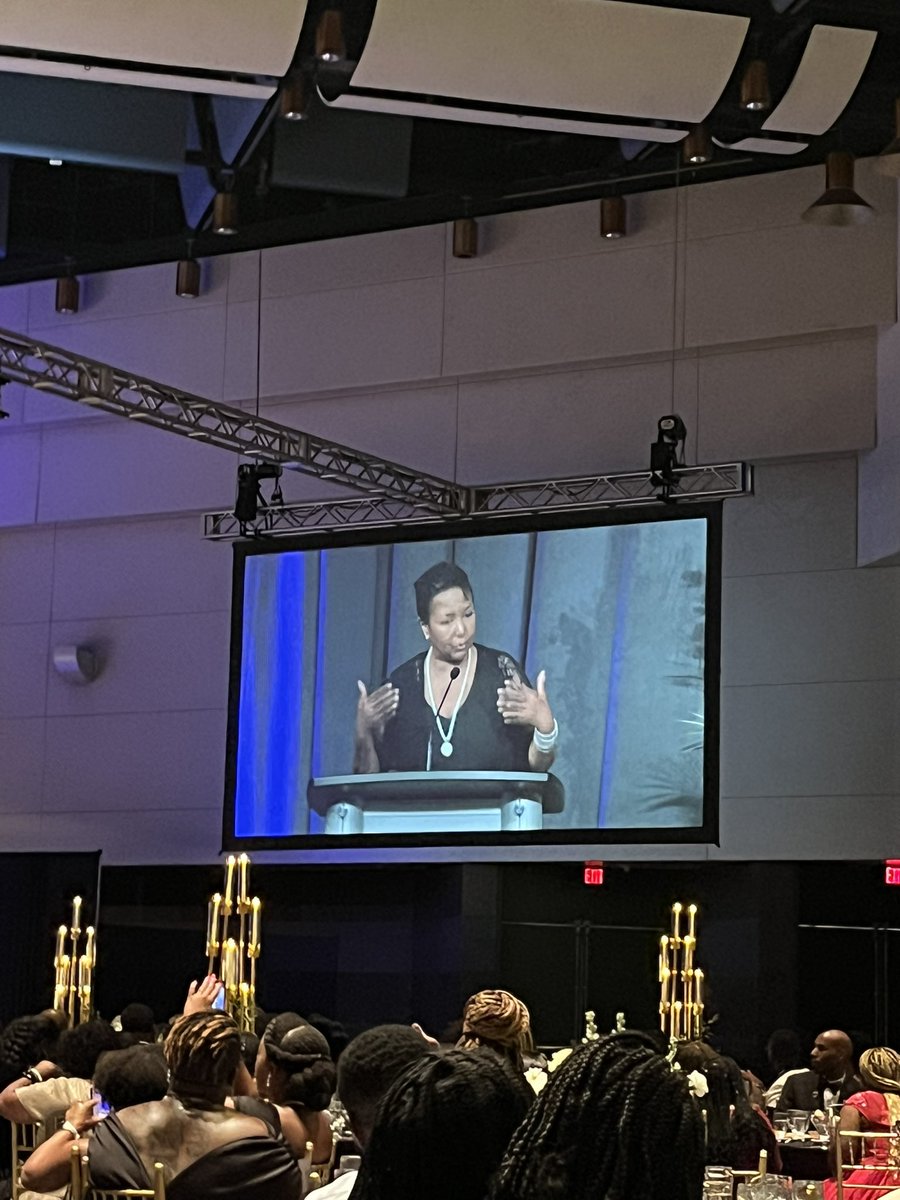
{"points": [[219, 1002], [101, 1108]]}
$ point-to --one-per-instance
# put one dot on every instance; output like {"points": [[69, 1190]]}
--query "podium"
{"points": [[435, 801]]}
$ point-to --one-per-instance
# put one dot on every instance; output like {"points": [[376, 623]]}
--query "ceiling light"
{"points": [[755, 87], [225, 213], [293, 103], [696, 147], [465, 238], [612, 217], [888, 161], [55, 162], [330, 47], [67, 294], [839, 204], [187, 279]]}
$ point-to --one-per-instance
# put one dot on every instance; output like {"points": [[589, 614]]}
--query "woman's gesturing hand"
{"points": [[375, 709], [519, 704]]}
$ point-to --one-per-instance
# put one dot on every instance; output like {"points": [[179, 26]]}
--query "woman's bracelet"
{"points": [[71, 1127], [33, 1075], [545, 742]]}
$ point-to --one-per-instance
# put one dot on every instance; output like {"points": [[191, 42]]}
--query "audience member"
{"points": [[873, 1109], [137, 1022], [736, 1129], [47, 1089], [831, 1079], [367, 1068], [294, 1071], [123, 1078], [441, 1128], [28, 1040], [207, 1149], [500, 1021], [784, 1055], [613, 1121]]}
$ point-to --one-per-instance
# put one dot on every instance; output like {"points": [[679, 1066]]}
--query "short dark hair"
{"points": [[645, 1133], [203, 1048], [25, 1041], [465, 1099], [79, 1048], [138, 1018], [135, 1075], [368, 1067], [439, 578]]}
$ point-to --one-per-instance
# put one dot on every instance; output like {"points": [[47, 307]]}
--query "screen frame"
{"points": [[331, 539]]}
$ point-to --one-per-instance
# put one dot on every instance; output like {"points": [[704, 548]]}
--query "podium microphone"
{"points": [[454, 674]]}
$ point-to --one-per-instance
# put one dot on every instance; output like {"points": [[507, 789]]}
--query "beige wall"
{"points": [[553, 353]]}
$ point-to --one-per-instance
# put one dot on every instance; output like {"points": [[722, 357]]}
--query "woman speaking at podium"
{"points": [[456, 706]]}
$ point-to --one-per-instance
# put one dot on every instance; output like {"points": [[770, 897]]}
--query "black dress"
{"points": [[481, 741]]}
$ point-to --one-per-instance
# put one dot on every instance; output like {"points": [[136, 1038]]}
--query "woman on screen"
{"points": [[457, 706]]}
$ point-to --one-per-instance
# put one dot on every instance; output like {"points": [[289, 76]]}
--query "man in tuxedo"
{"points": [[831, 1079]]}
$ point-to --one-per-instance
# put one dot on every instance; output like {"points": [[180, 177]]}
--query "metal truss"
{"points": [[50, 369], [713, 481]]}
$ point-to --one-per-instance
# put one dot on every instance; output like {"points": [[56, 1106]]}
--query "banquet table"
{"points": [[804, 1158]]}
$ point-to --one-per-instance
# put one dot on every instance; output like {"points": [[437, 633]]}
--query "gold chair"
{"points": [[846, 1163], [81, 1188], [25, 1139]]}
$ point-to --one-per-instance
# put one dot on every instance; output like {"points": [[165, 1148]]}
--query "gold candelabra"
{"points": [[73, 991], [233, 958], [680, 981]]}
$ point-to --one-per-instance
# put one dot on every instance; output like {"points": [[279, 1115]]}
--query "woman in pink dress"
{"points": [[876, 1110]]}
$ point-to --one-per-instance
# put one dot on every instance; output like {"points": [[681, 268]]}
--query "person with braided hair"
{"points": [[296, 1073], [614, 1122], [208, 1150], [500, 1021], [441, 1128], [876, 1109]]}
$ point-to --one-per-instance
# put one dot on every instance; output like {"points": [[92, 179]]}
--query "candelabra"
{"points": [[680, 981], [73, 992], [232, 941]]}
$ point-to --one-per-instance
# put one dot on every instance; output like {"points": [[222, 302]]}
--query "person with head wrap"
{"points": [[296, 1073], [499, 1020], [876, 1109], [457, 706]]}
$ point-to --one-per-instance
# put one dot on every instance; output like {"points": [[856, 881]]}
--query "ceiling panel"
{"points": [[828, 75], [600, 56], [210, 35]]}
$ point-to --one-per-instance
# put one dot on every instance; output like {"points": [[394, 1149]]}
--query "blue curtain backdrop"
{"points": [[615, 615]]}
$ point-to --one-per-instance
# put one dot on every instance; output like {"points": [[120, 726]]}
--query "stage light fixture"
{"points": [[465, 237], [225, 213], [187, 279], [330, 46], [293, 102], [249, 498], [67, 294], [888, 161], [613, 217], [696, 148], [755, 96], [839, 204], [671, 433]]}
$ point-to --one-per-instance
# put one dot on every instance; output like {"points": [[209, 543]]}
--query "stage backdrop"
{"points": [[615, 615]]}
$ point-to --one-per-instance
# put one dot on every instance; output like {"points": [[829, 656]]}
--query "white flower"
{"points": [[537, 1078], [557, 1059], [698, 1084]]}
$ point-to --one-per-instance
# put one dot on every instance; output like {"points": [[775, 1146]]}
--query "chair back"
{"points": [[25, 1139], [81, 1187], [852, 1147]]}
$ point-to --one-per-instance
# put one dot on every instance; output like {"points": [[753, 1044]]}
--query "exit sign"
{"points": [[892, 872], [593, 873]]}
